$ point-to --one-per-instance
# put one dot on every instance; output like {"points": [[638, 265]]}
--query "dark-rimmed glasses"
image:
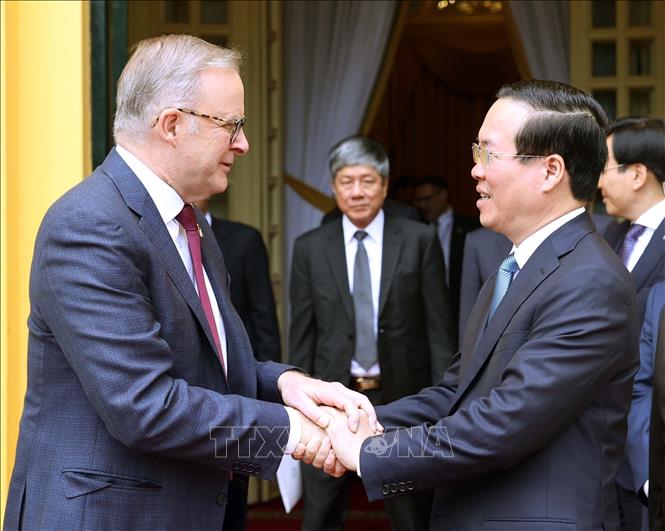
{"points": [[237, 124], [484, 156], [221, 122]]}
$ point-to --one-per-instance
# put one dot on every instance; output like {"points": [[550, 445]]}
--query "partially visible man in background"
{"points": [[432, 200]]}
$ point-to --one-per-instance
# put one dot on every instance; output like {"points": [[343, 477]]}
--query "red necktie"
{"points": [[187, 219]]}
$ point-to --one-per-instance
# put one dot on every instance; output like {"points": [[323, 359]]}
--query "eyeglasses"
{"points": [[237, 124], [613, 167], [221, 122], [484, 156]]}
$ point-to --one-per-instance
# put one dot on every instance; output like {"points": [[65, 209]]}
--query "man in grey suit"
{"points": [[632, 187], [145, 408], [369, 307], [525, 432]]}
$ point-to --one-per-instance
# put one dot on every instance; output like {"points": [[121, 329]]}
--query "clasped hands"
{"points": [[335, 421]]}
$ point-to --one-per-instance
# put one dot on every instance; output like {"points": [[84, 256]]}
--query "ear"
{"points": [[555, 169], [168, 125], [641, 175]]}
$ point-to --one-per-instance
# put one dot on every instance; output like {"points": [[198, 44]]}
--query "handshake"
{"points": [[334, 422]]}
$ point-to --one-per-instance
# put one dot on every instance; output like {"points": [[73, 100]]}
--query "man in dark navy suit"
{"points": [[526, 430]]}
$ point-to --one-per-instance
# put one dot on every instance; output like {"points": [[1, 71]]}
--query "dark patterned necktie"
{"points": [[187, 218], [626, 249]]}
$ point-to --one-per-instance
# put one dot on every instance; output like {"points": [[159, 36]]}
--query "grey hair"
{"points": [[355, 150], [164, 72]]}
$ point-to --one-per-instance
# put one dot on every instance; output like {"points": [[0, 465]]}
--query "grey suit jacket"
{"points": [[414, 344], [128, 420], [526, 429]]}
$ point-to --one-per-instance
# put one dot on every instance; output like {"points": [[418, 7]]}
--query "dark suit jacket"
{"points": [[128, 420], [637, 440], [461, 227], [390, 207], [526, 429], [649, 270], [414, 336], [251, 291], [484, 250], [657, 436]]}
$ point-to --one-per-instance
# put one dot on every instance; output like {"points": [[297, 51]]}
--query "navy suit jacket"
{"points": [[637, 441], [128, 420], [246, 259], [657, 435], [526, 429], [649, 270]]}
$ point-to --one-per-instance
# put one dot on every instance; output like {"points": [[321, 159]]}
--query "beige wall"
{"points": [[44, 150]]}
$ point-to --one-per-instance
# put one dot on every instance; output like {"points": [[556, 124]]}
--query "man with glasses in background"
{"points": [[632, 188], [526, 430], [145, 408]]}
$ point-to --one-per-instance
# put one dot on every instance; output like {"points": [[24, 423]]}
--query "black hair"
{"points": [[639, 139]]}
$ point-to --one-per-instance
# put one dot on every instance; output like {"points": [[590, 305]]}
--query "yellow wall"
{"points": [[45, 149]]}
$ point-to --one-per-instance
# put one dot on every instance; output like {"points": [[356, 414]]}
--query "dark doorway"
{"points": [[448, 65]]}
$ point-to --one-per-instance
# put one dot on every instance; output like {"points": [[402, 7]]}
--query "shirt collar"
{"points": [[166, 199], [653, 217], [529, 246], [374, 230]]}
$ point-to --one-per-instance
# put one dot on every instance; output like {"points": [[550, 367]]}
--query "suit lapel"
{"points": [[392, 248], [652, 256], [336, 256], [237, 342], [152, 225], [540, 265]]}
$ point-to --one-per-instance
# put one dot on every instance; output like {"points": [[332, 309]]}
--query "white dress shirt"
{"points": [[373, 243], [651, 219], [169, 204]]}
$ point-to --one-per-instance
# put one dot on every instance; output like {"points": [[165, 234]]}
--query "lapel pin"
{"points": [[200, 231]]}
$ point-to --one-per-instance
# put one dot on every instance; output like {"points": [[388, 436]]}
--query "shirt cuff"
{"points": [[294, 432]]}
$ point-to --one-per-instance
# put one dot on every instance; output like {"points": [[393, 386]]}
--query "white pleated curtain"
{"points": [[332, 54], [544, 30]]}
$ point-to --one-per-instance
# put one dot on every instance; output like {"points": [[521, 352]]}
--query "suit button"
{"points": [[221, 499], [382, 330], [402, 486], [409, 485], [393, 488], [385, 490], [350, 336]]}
